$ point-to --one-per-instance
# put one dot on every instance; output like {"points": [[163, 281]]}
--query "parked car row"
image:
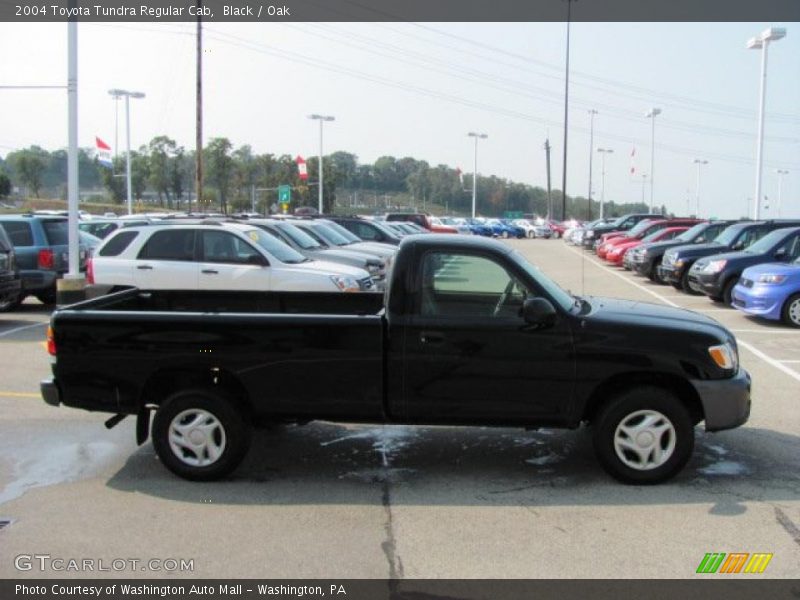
{"points": [[753, 266]]}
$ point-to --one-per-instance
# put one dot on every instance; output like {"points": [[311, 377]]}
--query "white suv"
{"points": [[214, 256]]}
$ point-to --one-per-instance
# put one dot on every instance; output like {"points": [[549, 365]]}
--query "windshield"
{"points": [[653, 236], [348, 235], [298, 236], [618, 222], [275, 247], [640, 227], [691, 233], [766, 243], [328, 234], [728, 235], [562, 298]]}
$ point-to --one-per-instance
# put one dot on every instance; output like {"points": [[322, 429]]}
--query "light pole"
{"points": [[592, 113], [652, 114], [781, 173], [761, 42], [699, 162], [603, 152], [477, 136], [321, 119], [116, 93]]}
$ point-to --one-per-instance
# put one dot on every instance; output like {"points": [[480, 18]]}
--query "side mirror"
{"points": [[700, 240], [738, 246], [539, 312], [780, 254]]}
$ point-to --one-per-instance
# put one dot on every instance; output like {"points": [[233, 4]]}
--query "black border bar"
{"points": [[773, 11]]}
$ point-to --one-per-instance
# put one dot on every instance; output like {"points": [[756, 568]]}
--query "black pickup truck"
{"points": [[468, 332]]}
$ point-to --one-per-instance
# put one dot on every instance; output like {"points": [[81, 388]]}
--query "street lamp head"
{"points": [[606, 150], [754, 44], [136, 94], [321, 117], [773, 34], [700, 161], [653, 112], [482, 136], [781, 171], [117, 93]]}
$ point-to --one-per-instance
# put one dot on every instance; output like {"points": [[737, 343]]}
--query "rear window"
{"points": [[56, 232], [19, 232], [117, 243]]}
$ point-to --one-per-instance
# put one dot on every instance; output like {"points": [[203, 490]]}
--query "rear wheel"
{"points": [[200, 434], [644, 436], [10, 303], [791, 311]]}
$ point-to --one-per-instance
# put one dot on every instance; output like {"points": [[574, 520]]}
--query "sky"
{"points": [[417, 89]]}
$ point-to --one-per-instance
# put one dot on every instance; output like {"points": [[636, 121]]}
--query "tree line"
{"points": [[163, 174]]}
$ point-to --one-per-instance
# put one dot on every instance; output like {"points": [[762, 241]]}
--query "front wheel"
{"points": [[10, 304], [644, 436], [200, 434], [791, 311]]}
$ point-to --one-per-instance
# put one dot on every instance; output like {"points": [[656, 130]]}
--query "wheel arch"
{"points": [[608, 389], [168, 381]]}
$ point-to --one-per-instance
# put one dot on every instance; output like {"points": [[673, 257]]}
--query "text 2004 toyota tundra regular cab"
{"points": [[467, 333]]}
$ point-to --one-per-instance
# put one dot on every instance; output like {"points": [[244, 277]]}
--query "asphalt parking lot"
{"points": [[346, 501]]}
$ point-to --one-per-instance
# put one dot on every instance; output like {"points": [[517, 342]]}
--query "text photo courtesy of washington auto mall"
{"points": [[449, 300]]}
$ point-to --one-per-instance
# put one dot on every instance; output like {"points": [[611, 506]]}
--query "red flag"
{"points": [[302, 170], [103, 152]]}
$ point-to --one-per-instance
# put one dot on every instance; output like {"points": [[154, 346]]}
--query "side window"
{"points": [[364, 231], [466, 285], [224, 247], [792, 246], [116, 244], [628, 223], [170, 244], [750, 236], [19, 232]]}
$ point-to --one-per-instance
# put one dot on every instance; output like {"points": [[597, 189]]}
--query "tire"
{"points": [[685, 284], [790, 313], [632, 456], [47, 296], [220, 448], [10, 304], [727, 291]]}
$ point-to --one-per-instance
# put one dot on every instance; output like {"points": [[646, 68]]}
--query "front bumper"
{"points": [[50, 392], [726, 402], [708, 284], [758, 301], [10, 288], [671, 275]]}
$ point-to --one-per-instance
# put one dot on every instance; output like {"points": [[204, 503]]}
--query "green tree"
{"points": [[29, 166], [113, 182], [219, 168], [161, 149], [5, 185]]}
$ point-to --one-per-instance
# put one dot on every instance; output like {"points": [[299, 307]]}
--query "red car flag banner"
{"points": [[302, 170], [103, 153]]}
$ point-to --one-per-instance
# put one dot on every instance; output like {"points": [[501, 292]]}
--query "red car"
{"points": [[642, 230], [423, 220], [617, 253]]}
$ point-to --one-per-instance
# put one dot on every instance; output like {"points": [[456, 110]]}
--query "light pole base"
{"points": [[70, 289]]}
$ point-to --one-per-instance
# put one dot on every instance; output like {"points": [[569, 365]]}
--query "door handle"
{"points": [[431, 338], [145, 268], [209, 272]]}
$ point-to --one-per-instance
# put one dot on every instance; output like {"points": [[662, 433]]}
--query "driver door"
{"points": [[468, 355]]}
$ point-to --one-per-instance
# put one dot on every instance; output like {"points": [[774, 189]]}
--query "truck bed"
{"points": [[293, 355]]}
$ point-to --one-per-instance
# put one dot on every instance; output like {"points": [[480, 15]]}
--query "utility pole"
{"points": [[198, 158], [566, 119], [549, 199], [699, 162], [652, 114], [592, 113], [603, 152], [781, 173]]}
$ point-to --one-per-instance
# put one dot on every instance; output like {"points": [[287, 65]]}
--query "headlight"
{"points": [[373, 267], [345, 283], [725, 356], [679, 262], [589, 234], [715, 266], [773, 279]]}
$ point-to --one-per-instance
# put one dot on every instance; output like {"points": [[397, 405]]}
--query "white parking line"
{"points": [[770, 331], [742, 344], [24, 327]]}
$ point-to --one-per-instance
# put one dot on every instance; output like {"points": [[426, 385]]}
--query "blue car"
{"points": [[505, 229], [477, 227], [771, 291]]}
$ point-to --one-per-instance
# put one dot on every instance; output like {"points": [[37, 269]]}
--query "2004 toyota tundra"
{"points": [[468, 332]]}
